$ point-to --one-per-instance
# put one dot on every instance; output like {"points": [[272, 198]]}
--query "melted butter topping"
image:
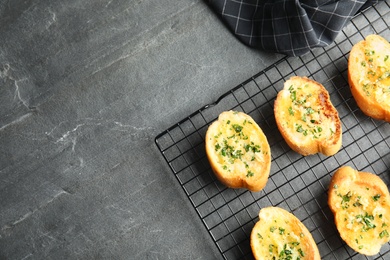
{"points": [[303, 112], [375, 75], [280, 242], [363, 212], [239, 147]]}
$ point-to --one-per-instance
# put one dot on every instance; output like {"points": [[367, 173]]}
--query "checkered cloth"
{"points": [[291, 27]]}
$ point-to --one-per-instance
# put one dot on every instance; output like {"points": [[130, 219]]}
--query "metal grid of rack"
{"points": [[298, 184]]}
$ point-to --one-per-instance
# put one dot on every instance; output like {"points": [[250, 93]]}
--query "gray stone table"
{"points": [[85, 87]]}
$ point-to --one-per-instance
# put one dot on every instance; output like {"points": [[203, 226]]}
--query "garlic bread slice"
{"points": [[238, 151], [306, 117], [360, 202]]}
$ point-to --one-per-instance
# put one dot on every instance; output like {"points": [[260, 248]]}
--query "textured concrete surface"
{"points": [[85, 86]]}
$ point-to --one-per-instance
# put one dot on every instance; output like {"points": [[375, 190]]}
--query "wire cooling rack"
{"points": [[298, 184]]}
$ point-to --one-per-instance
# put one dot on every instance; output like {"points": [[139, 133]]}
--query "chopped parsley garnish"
{"points": [[357, 204], [299, 129], [294, 244], [383, 234], [291, 111], [345, 199], [366, 221], [271, 248], [238, 128], [376, 197], [369, 52], [310, 110], [250, 174], [293, 95], [252, 147], [285, 253]]}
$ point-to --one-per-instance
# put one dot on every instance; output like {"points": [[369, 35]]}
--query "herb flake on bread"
{"points": [[306, 117], [280, 235], [360, 202], [238, 151], [369, 76]]}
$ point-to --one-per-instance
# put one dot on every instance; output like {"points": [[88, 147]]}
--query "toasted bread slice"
{"points": [[280, 235], [369, 76], [306, 117], [360, 202], [238, 151]]}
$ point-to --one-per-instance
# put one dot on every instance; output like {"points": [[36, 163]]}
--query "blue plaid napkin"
{"points": [[291, 27]]}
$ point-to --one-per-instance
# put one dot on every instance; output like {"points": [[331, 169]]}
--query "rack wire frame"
{"points": [[298, 184]]}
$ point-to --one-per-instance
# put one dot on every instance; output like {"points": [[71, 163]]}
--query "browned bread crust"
{"points": [[280, 235], [238, 151], [360, 202], [306, 118], [369, 76]]}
